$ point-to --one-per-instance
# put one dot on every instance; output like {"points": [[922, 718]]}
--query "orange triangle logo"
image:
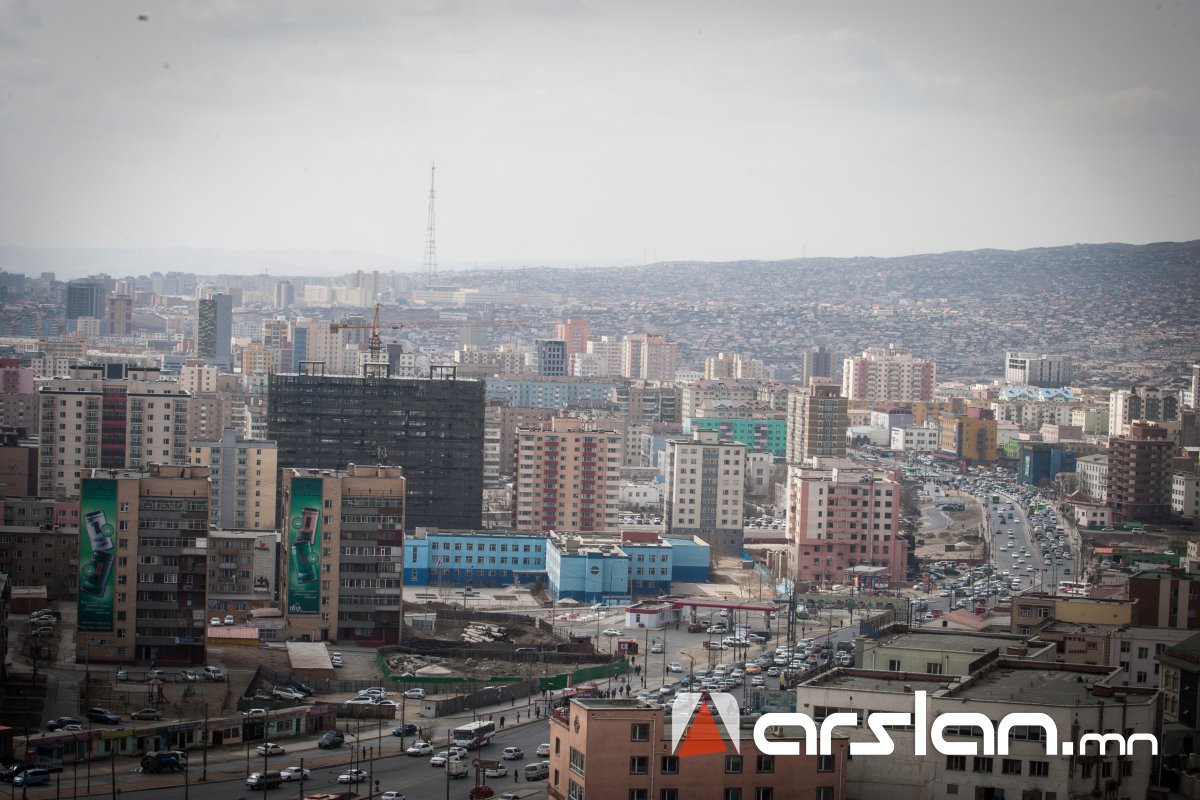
{"points": [[703, 735]]}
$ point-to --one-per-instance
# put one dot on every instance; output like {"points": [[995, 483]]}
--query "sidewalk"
{"points": [[230, 763]]}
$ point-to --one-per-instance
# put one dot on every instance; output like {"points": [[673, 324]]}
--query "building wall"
{"points": [[817, 423], [1138, 486], [567, 477], [243, 479], [916, 440], [459, 558], [705, 490], [887, 375], [1185, 495]]}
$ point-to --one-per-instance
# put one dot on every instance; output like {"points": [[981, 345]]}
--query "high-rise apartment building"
{"points": [[1144, 403], [567, 477], [214, 328], [970, 437], [706, 481], [119, 315], [341, 558], [432, 429], [887, 375], [574, 332], [548, 357], [817, 423], [143, 566], [1139, 478], [18, 398], [816, 363], [112, 417], [838, 519], [1031, 369], [242, 474], [733, 365], [198, 378], [602, 359], [648, 357], [647, 402]]}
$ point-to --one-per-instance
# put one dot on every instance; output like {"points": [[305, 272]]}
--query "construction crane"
{"points": [[375, 346]]}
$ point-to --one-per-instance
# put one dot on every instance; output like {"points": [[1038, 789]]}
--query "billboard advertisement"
{"points": [[97, 553], [304, 546]]}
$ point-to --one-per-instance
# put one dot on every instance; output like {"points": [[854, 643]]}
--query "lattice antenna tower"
{"points": [[429, 265]]}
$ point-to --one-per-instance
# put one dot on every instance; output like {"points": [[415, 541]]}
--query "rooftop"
{"points": [[951, 642]]}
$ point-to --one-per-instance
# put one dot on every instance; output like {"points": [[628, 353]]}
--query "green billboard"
{"points": [[304, 546], [97, 553]]}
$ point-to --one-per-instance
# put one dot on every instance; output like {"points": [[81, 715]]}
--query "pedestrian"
{"points": [[514, 701], [501, 721], [518, 717], [516, 777]]}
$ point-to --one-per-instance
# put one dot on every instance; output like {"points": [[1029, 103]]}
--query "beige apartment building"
{"points": [[111, 417], [888, 375], [706, 481], [341, 557], [817, 422], [621, 750], [243, 478], [567, 477]]}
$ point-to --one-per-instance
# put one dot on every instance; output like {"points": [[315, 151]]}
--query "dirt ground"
{"points": [[964, 527]]}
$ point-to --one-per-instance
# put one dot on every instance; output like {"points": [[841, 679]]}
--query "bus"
{"points": [[474, 734], [1073, 589]]}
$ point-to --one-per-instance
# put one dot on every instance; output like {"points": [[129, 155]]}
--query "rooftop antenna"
{"points": [[429, 266]]}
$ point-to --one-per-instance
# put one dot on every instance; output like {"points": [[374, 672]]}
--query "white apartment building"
{"points": [[1031, 369], [1146, 403], [705, 489], [1092, 472], [1031, 416], [198, 378], [641, 496], [89, 421], [1185, 494], [916, 440]]}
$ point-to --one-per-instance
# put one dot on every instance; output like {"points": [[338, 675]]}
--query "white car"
{"points": [[420, 749], [440, 759], [392, 796], [270, 749], [415, 694], [675, 666], [512, 754], [294, 773], [543, 749], [215, 622], [498, 771], [611, 632], [353, 776], [362, 700], [229, 620]]}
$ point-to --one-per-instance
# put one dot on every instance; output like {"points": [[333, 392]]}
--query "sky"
{"points": [[591, 133]]}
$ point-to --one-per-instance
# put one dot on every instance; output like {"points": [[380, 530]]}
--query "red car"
{"points": [[480, 792], [695, 627]]}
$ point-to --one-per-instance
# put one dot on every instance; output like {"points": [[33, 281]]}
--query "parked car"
{"points": [[361, 700], [284, 693], [270, 749], [35, 776], [189, 676], [539, 770], [420, 749], [229, 619], [270, 779], [512, 754], [102, 715], [62, 722], [146, 713], [406, 729], [415, 694], [215, 622], [214, 673], [480, 792], [336, 658], [543, 749], [294, 773], [613, 632]]}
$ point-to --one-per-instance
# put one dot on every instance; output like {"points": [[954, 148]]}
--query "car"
{"points": [[62, 722], [753, 669], [405, 729], [336, 659], [509, 796], [353, 776], [294, 773], [716, 629], [439, 759], [773, 672], [612, 632], [146, 713], [695, 627], [420, 749], [122, 674], [757, 680], [543, 749], [264, 780], [42, 632], [270, 749], [378, 691], [480, 792], [392, 703], [512, 754], [536, 771], [103, 715], [214, 673], [392, 796], [229, 619], [215, 622], [189, 676], [331, 739], [361, 700], [457, 752], [71, 728], [498, 771], [284, 693], [35, 776], [675, 666], [252, 712], [414, 694]]}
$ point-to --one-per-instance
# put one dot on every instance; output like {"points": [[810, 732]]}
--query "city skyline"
{"points": [[580, 134]]}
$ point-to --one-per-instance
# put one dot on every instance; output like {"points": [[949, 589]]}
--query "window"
{"points": [[638, 765], [574, 791], [1010, 766], [577, 759], [639, 732], [668, 794], [765, 763], [951, 788], [638, 794], [957, 763], [733, 793], [933, 667], [825, 763], [983, 764], [670, 765], [733, 764], [824, 793], [1039, 769], [764, 793]]}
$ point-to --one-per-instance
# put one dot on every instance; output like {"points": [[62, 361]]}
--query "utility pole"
{"points": [[429, 265], [204, 773]]}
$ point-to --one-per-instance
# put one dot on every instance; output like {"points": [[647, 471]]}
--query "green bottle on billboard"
{"points": [[304, 563]]}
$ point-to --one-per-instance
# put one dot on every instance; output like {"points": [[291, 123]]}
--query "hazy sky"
{"points": [[595, 131]]}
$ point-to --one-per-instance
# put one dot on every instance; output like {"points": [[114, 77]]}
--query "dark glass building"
{"points": [[433, 429]]}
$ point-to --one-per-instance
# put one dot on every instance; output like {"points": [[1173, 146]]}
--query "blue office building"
{"points": [[546, 392], [1041, 461], [602, 568], [482, 559]]}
